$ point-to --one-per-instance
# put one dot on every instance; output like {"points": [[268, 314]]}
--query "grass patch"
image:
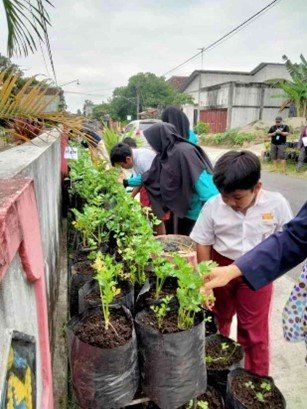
{"points": [[227, 139], [290, 169]]}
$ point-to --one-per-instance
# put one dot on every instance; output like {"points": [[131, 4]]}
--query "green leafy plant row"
{"points": [[109, 216]]}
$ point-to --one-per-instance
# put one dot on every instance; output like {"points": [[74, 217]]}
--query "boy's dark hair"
{"points": [[119, 153], [237, 170], [130, 141]]}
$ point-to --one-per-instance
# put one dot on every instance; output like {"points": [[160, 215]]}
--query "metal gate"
{"points": [[216, 118]]}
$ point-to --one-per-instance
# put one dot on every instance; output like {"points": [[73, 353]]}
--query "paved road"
{"points": [[294, 190]]}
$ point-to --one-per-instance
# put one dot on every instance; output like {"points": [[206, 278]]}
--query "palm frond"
{"points": [[30, 104], [26, 24]]}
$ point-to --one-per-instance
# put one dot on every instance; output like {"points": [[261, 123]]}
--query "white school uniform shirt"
{"points": [[232, 233], [142, 160]]}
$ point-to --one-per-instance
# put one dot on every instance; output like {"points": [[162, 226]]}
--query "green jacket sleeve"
{"points": [[205, 187]]}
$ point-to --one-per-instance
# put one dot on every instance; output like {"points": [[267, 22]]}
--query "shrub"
{"points": [[201, 128], [229, 138]]}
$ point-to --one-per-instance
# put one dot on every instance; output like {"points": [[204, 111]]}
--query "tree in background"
{"points": [[296, 88], [101, 111], [152, 92]]}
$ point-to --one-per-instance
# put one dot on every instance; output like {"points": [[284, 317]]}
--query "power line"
{"points": [[226, 36], [85, 93]]}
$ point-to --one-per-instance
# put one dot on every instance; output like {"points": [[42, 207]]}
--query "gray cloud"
{"points": [[103, 43]]}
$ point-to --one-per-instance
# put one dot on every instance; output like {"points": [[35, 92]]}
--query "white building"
{"points": [[230, 99]]}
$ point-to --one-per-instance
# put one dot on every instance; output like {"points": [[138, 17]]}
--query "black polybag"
{"points": [[127, 300], [102, 378], [233, 402], [144, 298], [218, 377], [173, 368], [77, 281], [211, 322]]}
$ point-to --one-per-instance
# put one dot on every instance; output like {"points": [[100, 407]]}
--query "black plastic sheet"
{"points": [[210, 322], [127, 300], [218, 377], [102, 378], [77, 281], [233, 402], [173, 369]]}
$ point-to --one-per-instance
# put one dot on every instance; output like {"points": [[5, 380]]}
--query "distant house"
{"points": [[88, 108], [53, 99], [230, 99]]}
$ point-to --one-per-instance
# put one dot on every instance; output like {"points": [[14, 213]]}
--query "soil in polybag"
{"points": [[210, 323], [173, 368], [222, 355], [81, 273], [212, 397], [89, 295], [104, 365], [243, 387], [147, 295]]}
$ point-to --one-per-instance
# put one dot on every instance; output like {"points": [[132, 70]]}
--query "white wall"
{"points": [[17, 312], [209, 79], [247, 95], [270, 72], [39, 159], [243, 116], [189, 111]]}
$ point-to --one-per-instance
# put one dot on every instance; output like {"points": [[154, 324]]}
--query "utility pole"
{"points": [[200, 82], [137, 102]]}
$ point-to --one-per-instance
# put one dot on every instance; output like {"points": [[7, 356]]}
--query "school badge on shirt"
{"points": [[266, 217]]}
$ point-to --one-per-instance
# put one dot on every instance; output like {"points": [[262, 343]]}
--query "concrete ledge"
{"points": [[16, 160]]}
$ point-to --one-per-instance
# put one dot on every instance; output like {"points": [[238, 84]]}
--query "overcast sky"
{"points": [[103, 42]]}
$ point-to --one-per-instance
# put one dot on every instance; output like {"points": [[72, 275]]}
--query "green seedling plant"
{"points": [[188, 292], [163, 269], [224, 348], [107, 272], [161, 310], [190, 281], [262, 394], [202, 404], [91, 224]]}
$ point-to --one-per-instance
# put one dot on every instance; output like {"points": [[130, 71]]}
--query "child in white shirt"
{"points": [[230, 225]]}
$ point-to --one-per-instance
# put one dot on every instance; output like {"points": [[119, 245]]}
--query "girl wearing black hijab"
{"points": [[180, 178], [176, 117]]}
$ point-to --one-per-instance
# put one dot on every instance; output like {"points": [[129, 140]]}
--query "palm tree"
{"points": [[24, 112], [27, 22], [296, 88]]}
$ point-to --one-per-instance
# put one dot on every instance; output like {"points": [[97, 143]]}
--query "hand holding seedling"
{"points": [[219, 277]]}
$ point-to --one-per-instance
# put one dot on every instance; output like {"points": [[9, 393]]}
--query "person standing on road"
{"points": [[229, 225], [278, 134], [266, 262], [302, 146]]}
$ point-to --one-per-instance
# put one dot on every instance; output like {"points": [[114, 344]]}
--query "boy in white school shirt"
{"points": [[229, 225]]}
